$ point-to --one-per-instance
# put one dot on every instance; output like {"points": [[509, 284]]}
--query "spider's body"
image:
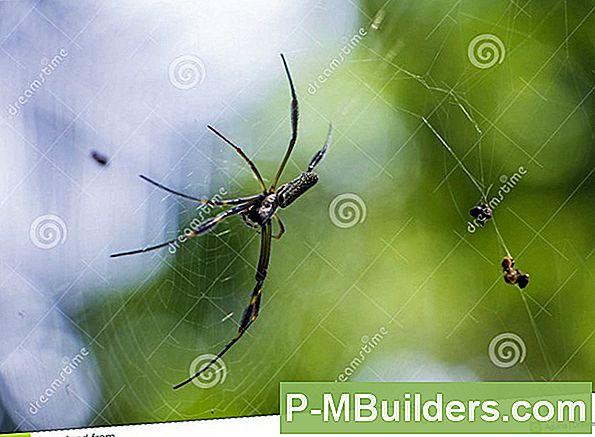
{"points": [[292, 190], [257, 211], [263, 209], [261, 212]]}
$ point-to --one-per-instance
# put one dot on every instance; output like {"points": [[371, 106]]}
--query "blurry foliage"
{"points": [[328, 286]]}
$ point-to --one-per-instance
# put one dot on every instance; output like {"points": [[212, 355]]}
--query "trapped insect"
{"points": [[512, 275], [482, 213], [257, 211]]}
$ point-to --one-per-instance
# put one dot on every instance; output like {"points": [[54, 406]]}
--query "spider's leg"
{"points": [[201, 229], [242, 154], [251, 312], [169, 190], [281, 227], [320, 154], [216, 202], [143, 250], [294, 125]]}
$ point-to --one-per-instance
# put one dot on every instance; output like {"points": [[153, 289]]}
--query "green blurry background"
{"points": [[410, 267]]}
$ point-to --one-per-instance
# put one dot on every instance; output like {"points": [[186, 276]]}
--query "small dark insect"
{"points": [[513, 276], [257, 211], [522, 279], [482, 213], [99, 158]]}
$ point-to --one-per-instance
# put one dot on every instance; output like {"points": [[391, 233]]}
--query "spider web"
{"points": [[191, 307], [420, 135], [466, 155], [207, 287]]}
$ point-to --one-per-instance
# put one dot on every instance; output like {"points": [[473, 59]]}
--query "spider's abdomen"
{"points": [[289, 192]]}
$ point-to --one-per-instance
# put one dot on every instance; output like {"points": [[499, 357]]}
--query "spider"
{"points": [[257, 211]]}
